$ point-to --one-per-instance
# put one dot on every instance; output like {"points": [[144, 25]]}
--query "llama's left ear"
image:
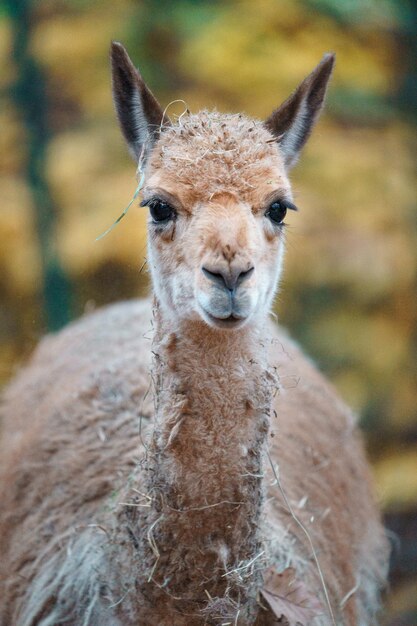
{"points": [[140, 115], [293, 121]]}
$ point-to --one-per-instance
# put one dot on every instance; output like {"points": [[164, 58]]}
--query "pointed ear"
{"points": [[140, 115], [293, 121]]}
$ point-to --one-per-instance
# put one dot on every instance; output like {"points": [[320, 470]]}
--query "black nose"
{"points": [[227, 278]]}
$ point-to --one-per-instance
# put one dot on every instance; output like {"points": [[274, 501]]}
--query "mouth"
{"points": [[226, 323]]}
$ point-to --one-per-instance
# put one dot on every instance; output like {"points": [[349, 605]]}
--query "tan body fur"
{"points": [[88, 445], [163, 464]]}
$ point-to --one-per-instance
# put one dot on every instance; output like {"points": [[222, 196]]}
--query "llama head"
{"points": [[217, 189]]}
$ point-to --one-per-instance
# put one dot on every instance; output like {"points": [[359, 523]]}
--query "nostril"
{"points": [[245, 275], [215, 277], [229, 279]]}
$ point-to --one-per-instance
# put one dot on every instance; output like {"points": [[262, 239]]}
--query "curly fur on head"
{"points": [[224, 152]]}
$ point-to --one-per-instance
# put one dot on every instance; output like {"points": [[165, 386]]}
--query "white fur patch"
{"points": [[70, 588]]}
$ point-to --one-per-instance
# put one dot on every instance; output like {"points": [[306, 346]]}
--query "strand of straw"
{"points": [[275, 471], [135, 195]]}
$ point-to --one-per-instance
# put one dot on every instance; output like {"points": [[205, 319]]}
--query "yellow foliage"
{"points": [[396, 479], [19, 253], [257, 52], [73, 47]]}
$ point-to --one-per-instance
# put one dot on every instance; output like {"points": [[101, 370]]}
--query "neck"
{"points": [[204, 462]]}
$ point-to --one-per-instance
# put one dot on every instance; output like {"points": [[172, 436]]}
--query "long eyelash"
{"points": [[289, 205], [148, 202]]}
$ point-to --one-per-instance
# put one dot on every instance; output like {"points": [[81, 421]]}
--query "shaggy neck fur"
{"points": [[204, 469]]}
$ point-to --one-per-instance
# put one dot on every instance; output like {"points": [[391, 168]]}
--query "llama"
{"points": [[179, 461]]}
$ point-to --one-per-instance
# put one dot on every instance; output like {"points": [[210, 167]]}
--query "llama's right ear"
{"points": [[140, 115]]}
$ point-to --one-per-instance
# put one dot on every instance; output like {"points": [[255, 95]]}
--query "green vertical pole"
{"points": [[29, 95]]}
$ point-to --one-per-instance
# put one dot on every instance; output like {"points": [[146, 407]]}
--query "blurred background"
{"points": [[350, 289]]}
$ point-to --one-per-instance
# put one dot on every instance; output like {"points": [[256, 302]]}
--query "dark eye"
{"points": [[277, 211], [161, 211]]}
